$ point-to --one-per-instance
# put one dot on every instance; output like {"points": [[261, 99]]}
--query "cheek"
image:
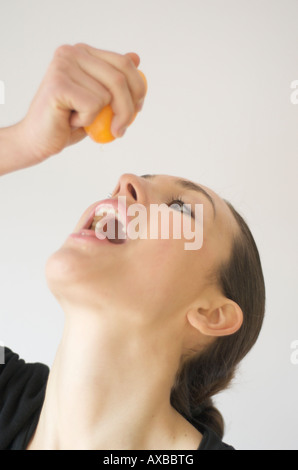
{"points": [[162, 275], [163, 270]]}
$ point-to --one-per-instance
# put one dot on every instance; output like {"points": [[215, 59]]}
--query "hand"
{"points": [[79, 82]]}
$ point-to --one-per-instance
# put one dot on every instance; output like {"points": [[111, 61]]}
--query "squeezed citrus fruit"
{"points": [[100, 129]]}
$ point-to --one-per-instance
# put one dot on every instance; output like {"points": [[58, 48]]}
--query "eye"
{"points": [[178, 204]]}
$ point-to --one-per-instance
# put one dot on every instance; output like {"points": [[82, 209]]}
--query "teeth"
{"points": [[103, 214], [105, 210], [106, 213]]}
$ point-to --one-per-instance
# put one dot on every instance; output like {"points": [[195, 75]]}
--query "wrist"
{"points": [[15, 153]]}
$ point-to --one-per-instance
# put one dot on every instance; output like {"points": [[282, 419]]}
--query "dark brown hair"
{"points": [[207, 373]]}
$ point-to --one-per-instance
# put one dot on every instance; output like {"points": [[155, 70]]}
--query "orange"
{"points": [[100, 129]]}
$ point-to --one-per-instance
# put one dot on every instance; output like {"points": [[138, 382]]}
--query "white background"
{"points": [[218, 112]]}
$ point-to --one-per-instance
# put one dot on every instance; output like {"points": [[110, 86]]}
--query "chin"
{"points": [[72, 277], [64, 268]]}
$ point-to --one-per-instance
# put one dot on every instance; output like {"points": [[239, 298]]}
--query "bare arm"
{"points": [[79, 82], [13, 155]]}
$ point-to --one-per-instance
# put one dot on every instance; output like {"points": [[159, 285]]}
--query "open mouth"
{"points": [[108, 223]]}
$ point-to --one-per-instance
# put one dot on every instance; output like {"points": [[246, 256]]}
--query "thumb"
{"points": [[76, 136]]}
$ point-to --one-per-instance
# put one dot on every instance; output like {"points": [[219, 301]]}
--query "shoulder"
{"points": [[22, 389], [16, 374]]}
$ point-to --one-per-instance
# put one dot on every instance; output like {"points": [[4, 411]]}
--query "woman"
{"points": [[152, 330]]}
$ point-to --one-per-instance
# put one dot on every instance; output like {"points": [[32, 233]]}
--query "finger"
{"points": [[82, 79], [125, 64], [76, 136], [134, 57], [115, 81], [82, 104]]}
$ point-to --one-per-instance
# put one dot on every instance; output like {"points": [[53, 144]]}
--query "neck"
{"points": [[109, 388]]}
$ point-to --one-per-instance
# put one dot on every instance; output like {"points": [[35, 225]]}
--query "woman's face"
{"points": [[149, 278]]}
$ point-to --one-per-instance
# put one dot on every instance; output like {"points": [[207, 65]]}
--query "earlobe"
{"points": [[222, 320]]}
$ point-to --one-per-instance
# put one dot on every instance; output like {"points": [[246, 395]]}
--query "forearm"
{"points": [[13, 152]]}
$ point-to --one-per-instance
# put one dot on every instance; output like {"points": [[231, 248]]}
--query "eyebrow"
{"points": [[189, 185]]}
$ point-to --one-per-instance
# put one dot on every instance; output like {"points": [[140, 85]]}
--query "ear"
{"points": [[221, 320]]}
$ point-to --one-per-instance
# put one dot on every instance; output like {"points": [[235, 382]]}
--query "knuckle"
{"points": [[80, 47], [63, 51], [126, 62], [59, 67], [67, 53]]}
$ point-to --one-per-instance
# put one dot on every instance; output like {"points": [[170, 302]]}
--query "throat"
{"points": [[107, 392]]}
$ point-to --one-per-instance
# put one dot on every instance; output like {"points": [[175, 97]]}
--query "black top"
{"points": [[22, 392]]}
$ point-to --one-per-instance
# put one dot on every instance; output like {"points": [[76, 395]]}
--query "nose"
{"points": [[132, 187]]}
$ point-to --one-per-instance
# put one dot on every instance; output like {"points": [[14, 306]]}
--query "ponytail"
{"points": [[209, 416], [199, 379]]}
